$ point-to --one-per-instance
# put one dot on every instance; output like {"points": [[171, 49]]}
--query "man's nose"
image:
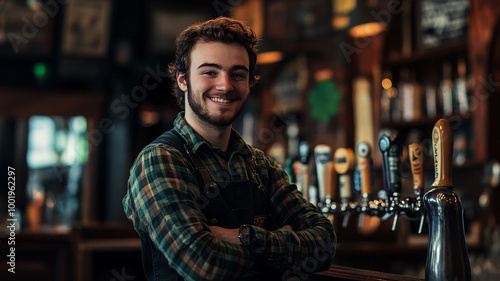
{"points": [[224, 83]]}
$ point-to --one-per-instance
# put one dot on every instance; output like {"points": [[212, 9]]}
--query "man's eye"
{"points": [[239, 76], [209, 73]]}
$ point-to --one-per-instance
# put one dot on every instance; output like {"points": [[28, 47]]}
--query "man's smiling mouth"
{"points": [[221, 100]]}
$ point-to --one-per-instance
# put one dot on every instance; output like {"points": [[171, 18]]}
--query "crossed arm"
{"points": [[161, 202], [232, 235]]}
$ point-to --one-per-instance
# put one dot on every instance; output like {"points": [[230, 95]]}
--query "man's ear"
{"points": [[181, 81]]}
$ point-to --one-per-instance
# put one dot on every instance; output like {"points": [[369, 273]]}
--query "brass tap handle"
{"points": [[364, 152], [417, 167], [442, 146], [343, 162]]}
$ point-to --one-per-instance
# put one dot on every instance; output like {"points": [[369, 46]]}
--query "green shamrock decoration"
{"points": [[324, 100]]}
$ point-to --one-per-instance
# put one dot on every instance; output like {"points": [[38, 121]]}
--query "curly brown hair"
{"points": [[221, 29]]}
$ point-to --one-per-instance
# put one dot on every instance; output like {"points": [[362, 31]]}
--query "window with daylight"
{"points": [[56, 156]]}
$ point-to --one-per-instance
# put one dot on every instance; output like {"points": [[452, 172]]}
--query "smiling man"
{"points": [[207, 205]]}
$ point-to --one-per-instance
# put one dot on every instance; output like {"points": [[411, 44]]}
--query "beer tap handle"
{"points": [[391, 159], [447, 258], [343, 162], [384, 144], [442, 139], [363, 151], [364, 164], [304, 156], [417, 168], [322, 153]]}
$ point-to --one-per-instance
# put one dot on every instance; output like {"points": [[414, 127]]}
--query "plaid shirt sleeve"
{"points": [[307, 249], [161, 200]]}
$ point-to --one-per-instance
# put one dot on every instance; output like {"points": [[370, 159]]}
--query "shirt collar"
{"points": [[195, 140]]}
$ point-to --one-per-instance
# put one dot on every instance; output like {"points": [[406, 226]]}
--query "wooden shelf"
{"points": [[426, 121], [418, 56]]}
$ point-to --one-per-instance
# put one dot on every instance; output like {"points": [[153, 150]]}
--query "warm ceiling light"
{"points": [[366, 29], [269, 57]]}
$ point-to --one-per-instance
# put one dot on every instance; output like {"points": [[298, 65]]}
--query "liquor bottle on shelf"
{"points": [[461, 88], [446, 90], [388, 93], [460, 148], [430, 99], [406, 95], [396, 106], [417, 97]]}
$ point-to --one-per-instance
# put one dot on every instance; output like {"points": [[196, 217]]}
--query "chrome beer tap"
{"points": [[447, 256]]}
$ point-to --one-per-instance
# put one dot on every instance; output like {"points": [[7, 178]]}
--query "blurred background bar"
{"points": [[84, 87]]}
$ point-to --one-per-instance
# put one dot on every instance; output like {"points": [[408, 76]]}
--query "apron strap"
{"points": [[205, 175]]}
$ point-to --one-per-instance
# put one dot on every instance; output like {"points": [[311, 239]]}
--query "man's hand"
{"points": [[225, 234], [232, 235]]}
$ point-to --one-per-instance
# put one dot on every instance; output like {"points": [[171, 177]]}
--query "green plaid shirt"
{"points": [[162, 198]]}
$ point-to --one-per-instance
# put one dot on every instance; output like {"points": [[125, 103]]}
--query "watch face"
{"points": [[245, 235]]}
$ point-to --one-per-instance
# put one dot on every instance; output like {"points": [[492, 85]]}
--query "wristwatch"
{"points": [[247, 235]]}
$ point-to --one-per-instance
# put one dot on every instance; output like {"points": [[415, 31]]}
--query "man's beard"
{"points": [[203, 113]]}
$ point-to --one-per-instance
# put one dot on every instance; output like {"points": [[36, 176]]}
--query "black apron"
{"points": [[227, 204]]}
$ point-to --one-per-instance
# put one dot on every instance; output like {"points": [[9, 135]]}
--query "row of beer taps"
{"points": [[359, 168], [440, 206]]}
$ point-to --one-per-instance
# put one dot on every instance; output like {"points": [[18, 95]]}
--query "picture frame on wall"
{"points": [[86, 28], [441, 22]]}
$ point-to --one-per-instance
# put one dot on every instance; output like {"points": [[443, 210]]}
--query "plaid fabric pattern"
{"points": [[164, 199]]}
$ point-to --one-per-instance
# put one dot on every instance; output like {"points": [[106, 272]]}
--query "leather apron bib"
{"points": [[225, 204]]}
